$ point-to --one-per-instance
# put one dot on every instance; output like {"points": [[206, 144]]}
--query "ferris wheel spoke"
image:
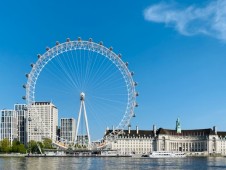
{"points": [[64, 69], [106, 99], [69, 70], [103, 114], [75, 69], [109, 86], [93, 116], [98, 70], [105, 81], [53, 74], [87, 68], [99, 77], [71, 67], [89, 75]]}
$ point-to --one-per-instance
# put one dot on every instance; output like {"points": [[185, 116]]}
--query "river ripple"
{"points": [[94, 163]]}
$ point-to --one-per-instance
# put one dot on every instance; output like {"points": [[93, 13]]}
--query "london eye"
{"points": [[86, 69]]}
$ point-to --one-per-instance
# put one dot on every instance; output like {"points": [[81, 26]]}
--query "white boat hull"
{"points": [[164, 154]]}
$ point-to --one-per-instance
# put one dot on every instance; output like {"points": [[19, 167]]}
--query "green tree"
{"points": [[33, 146], [47, 143], [5, 146], [14, 147], [21, 148], [18, 147]]}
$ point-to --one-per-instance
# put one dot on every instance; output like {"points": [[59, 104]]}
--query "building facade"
{"points": [[8, 125], [20, 110], [42, 121], [67, 129], [192, 142], [132, 142]]}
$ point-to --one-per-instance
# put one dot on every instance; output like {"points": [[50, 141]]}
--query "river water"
{"points": [[109, 163]]}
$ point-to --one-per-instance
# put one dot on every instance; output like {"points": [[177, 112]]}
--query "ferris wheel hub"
{"points": [[82, 96]]}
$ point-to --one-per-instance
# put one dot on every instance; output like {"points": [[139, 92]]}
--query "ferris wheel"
{"points": [[76, 68]]}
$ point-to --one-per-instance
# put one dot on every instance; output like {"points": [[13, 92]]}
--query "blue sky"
{"points": [[176, 49]]}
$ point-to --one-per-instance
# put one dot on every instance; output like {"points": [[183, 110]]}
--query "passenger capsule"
{"points": [[136, 105], [135, 83], [24, 86], [101, 43], [79, 38], [110, 48], [32, 65], [57, 43], [127, 64], [39, 56], [137, 94], [27, 75], [24, 97], [68, 40], [120, 55], [132, 73], [134, 115], [47, 48], [90, 39]]}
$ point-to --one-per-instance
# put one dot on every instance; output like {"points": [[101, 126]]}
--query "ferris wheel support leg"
{"points": [[87, 125], [79, 116]]}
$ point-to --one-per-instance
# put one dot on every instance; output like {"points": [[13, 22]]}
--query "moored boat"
{"points": [[166, 154]]}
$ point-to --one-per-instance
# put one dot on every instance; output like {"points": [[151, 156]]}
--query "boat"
{"points": [[166, 154]]}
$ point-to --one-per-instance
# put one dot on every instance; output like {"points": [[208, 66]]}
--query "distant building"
{"points": [[58, 133], [42, 121], [193, 142], [8, 125], [20, 110], [82, 140], [67, 129]]}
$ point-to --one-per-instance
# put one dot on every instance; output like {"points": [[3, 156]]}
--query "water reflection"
{"points": [[110, 163]]}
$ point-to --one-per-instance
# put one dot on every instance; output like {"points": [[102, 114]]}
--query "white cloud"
{"points": [[209, 20]]}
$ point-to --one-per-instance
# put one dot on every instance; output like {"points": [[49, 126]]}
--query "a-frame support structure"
{"points": [[82, 110]]}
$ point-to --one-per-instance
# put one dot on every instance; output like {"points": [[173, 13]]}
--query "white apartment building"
{"points": [[20, 110], [67, 129], [8, 125], [42, 121]]}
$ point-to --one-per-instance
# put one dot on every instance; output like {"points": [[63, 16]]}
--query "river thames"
{"points": [[81, 163]]}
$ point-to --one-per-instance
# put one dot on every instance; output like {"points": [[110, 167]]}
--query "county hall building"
{"points": [[193, 142]]}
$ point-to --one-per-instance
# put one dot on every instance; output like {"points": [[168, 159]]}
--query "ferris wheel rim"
{"points": [[60, 48]]}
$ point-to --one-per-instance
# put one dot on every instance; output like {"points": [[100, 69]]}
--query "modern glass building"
{"points": [[67, 129], [20, 110], [8, 125]]}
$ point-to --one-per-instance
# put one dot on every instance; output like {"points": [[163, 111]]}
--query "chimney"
{"points": [[129, 129], [215, 130], [107, 129], [137, 129], [113, 128], [154, 130]]}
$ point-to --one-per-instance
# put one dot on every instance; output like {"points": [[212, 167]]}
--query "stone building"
{"points": [[193, 142], [132, 141]]}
